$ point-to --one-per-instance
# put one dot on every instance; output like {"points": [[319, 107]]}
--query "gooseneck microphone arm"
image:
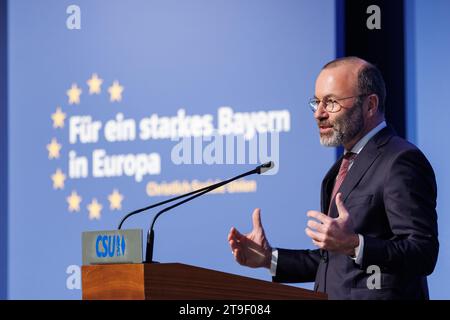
{"points": [[260, 169], [151, 234], [159, 204]]}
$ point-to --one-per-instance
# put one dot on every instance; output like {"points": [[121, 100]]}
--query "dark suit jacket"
{"points": [[390, 193]]}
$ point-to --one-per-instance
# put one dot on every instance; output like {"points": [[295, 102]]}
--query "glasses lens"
{"points": [[314, 103], [329, 105]]}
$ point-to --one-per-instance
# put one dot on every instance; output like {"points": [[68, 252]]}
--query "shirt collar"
{"points": [[363, 141]]}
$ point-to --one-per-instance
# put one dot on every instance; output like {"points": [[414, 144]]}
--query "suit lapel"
{"points": [[360, 166]]}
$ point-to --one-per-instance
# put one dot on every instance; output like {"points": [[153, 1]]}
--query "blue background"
{"points": [[428, 93], [197, 55]]}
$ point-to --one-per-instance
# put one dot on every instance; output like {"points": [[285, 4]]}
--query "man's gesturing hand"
{"points": [[333, 234], [253, 249]]}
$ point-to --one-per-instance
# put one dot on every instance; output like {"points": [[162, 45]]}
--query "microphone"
{"points": [[192, 195], [265, 167]]}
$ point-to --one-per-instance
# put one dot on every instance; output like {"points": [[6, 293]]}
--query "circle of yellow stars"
{"points": [[58, 178]]}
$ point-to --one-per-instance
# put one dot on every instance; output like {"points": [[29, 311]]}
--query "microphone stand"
{"points": [[151, 233], [192, 195]]}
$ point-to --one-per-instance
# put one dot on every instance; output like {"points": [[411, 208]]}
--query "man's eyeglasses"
{"points": [[331, 104]]}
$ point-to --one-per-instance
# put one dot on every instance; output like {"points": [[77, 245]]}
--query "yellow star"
{"points": [[53, 149], [74, 94], [115, 92], [94, 210], [58, 118], [94, 84], [74, 201], [115, 200], [58, 179]]}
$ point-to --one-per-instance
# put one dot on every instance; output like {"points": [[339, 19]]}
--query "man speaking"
{"points": [[378, 201]]}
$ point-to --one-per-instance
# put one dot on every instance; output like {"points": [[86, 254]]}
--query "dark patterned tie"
{"points": [[346, 161]]}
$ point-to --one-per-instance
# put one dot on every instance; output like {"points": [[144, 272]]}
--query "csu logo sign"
{"points": [[110, 246]]}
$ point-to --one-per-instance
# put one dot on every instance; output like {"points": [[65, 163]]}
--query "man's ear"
{"points": [[373, 103]]}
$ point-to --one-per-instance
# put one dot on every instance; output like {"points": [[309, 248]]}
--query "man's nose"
{"points": [[320, 113]]}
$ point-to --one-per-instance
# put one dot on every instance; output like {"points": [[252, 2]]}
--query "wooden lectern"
{"points": [[175, 281]]}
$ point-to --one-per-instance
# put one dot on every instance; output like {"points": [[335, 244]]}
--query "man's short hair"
{"points": [[370, 79]]}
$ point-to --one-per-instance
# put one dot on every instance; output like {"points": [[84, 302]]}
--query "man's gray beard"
{"points": [[334, 140], [345, 128]]}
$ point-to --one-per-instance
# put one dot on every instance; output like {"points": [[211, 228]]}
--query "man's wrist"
{"points": [[268, 258], [354, 243]]}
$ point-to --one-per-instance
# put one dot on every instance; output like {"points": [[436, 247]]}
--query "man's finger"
{"points": [[234, 245], [238, 256], [230, 234], [315, 235], [342, 211], [315, 225], [256, 217], [319, 216], [318, 244], [235, 234]]}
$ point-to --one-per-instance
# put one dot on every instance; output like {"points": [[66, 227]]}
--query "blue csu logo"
{"points": [[110, 246]]}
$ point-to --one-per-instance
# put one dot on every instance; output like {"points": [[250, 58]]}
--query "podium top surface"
{"points": [[176, 281]]}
